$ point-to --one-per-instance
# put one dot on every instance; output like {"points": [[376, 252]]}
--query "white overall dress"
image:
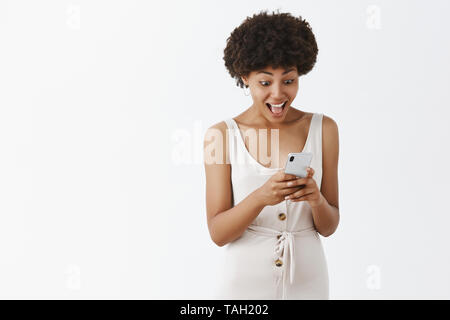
{"points": [[280, 255]]}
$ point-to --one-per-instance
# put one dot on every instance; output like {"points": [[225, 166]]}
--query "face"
{"points": [[272, 91]]}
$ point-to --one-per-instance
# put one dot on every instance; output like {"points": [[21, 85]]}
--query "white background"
{"points": [[103, 107]]}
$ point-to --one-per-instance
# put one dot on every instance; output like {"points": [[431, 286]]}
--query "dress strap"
{"points": [[229, 122], [231, 141], [316, 136]]}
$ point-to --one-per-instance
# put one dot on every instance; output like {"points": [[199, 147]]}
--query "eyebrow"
{"points": [[266, 72]]}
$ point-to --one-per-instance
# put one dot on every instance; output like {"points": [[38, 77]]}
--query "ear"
{"points": [[245, 80]]}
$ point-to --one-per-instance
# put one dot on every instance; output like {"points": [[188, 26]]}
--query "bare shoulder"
{"points": [[215, 144], [330, 130], [222, 126], [329, 122], [219, 128]]}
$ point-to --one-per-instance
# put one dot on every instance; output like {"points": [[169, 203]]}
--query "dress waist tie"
{"points": [[284, 247]]}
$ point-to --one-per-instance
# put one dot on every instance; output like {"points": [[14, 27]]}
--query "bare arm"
{"points": [[225, 222], [326, 218], [229, 225], [326, 215]]}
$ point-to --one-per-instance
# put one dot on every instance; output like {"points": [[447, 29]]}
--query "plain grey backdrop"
{"points": [[103, 108]]}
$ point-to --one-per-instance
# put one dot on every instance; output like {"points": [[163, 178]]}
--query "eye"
{"points": [[263, 83]]}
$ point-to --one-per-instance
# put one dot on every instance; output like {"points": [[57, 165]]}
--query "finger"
{"points": [[301, 193], [281, 176], [296, 182], [289, 191], [281, 186], [307, 197], [310, 172], [304, 198]]}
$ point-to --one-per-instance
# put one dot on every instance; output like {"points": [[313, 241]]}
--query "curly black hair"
{"points": [[276, 40]]}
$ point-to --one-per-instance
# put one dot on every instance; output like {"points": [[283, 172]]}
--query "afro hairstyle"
{"points": [[276, 40]]}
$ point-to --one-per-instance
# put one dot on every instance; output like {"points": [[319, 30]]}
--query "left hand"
{"points": [[310, 191]]}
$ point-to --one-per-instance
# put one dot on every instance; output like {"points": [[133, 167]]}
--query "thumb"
{"points": [[279, 174]]}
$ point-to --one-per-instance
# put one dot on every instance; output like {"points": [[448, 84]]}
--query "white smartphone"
{"points": [[297, 163]]}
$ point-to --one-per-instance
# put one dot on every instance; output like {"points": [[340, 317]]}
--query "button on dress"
{"points": [[280, 255]]}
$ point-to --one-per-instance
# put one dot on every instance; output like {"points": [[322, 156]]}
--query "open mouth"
{"points": [[276, 110]]}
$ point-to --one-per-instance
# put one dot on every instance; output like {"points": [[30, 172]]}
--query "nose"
{"points": [[277, 93]]}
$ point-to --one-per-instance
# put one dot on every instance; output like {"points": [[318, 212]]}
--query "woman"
{"points": [[269, 220]]}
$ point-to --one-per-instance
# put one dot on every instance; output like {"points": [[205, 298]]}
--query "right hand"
{"points": [[276, 188]]}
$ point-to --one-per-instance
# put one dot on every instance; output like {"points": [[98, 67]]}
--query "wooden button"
{"points": [[278, 263], [282, 216], [279, 236]]}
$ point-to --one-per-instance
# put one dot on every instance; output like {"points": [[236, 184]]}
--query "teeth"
{"points": [[277, 105]]}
